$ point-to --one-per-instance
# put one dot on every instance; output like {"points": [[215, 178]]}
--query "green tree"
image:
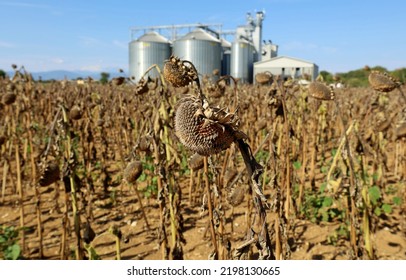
{"points": [[104, 77], [327, 76], [359, 77], [400, 74], [2, 74]]}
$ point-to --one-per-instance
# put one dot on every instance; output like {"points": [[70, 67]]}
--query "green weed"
{"points": [[9, 249]]}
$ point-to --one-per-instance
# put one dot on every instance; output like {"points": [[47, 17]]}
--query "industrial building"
{"points": [[287, 67], [206, 46]]}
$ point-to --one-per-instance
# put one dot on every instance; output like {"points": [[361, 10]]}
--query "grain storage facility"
{"points": [[287, 67], [151, 48], [201, 48], [205, 45]]}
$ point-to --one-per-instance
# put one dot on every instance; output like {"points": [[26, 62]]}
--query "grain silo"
{"points": [[151, 48], [225, 57], [201, 48], [242, 60]]}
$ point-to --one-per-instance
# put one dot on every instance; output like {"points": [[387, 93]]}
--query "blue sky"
{"points": [[91, 35]]}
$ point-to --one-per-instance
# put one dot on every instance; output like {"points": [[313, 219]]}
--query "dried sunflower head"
{"points": [[145, 143], [118, 81], [9, 98], [75, 113], [320, 91], [236, 195], [132, 171], [50, 174], [142, 86], [178, 72], [381, 81], [203, 129], [264, 78], [216, 90], [196, 162]]}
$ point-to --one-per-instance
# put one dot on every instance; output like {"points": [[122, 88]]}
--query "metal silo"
{"points": [[225, 57], [200, 48], [242, 60], [151, 48]]}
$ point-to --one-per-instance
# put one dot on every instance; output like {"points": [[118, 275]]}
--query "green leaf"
{"points": [[387, 208], [148, 166], [92, 253], [397, 200], [147, 193], [327, 201], [324, 169], [333, 213], [154, 180], [262, 155], [374, 194], [323, 187], [378, 211], [375, 176], [13, 252], [142, 177], [342, 231], [297, 165], [325, 216], [296, 188]]}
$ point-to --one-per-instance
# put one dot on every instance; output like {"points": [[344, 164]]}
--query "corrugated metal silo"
{"points": [[226, 63], [225, 57], [202, 49], [242, 60], [151, 48]]}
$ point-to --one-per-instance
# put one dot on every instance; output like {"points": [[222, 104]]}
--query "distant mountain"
{"points": [[62, 74], [70, 75]]}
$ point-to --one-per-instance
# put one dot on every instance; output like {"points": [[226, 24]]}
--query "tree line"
{"points": [[354, 78], [359, 77]]}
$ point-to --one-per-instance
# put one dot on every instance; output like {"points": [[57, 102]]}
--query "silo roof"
{"points": [[283, 61], [225, 43], [199, 34], [153, 37]]}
